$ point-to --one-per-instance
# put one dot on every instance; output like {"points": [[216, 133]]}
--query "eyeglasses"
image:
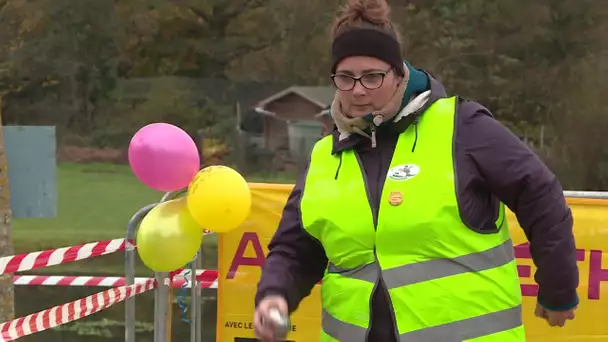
{"points": [[371, 81]]}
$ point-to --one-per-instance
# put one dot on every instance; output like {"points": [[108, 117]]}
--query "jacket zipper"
{"points": [[377, 283]]}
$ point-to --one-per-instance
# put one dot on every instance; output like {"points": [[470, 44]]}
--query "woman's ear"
{"points": [[397, 81]]}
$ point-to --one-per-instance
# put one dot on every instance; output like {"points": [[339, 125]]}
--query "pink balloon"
{"points": [[163, 157]]}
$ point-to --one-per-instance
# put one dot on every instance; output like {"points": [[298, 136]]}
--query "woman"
{"points": [[400, 211]]}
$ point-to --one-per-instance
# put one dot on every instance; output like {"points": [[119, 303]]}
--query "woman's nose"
{"points": [[359, 89]]}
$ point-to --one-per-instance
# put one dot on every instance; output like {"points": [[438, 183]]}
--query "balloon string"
{"points": [[183, 293]]}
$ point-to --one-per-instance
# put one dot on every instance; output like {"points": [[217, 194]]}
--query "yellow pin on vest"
{"points": [[395, 198]]}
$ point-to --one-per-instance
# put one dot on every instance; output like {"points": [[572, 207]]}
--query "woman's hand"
{"points": [[554, 318], [264, 329]]}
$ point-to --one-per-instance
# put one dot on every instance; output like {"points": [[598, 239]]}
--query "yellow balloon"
{"points": [[168, 237], [219, 199]]}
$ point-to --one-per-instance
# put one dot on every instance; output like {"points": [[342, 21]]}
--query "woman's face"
{"points": [[374, 88]]}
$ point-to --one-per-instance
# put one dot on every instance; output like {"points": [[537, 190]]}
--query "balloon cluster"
{"points": [[165, 158]]}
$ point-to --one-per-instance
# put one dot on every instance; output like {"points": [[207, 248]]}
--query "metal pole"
{"points": [[161, 307], [156, 310], [173, 195], [587, 194], [193, 294], [169, 318], [197, 300], [130, 270], [162, 291]]}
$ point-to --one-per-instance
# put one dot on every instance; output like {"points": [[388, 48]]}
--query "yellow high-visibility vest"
{"points": [[446, 281]]}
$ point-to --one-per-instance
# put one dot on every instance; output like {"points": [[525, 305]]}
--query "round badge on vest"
{"points": [[395, 198], [403, 172]]}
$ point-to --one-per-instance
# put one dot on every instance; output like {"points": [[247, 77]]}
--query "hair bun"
{"points": [[373, 11], [364, 14]]}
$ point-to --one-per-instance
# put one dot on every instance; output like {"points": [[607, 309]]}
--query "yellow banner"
{"points": [[242, 253]]}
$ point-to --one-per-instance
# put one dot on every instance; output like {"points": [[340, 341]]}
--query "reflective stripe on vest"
{"points": [[446, 282], [459, 331]]}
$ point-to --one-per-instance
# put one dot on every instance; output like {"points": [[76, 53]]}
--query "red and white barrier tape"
{"points": [[58, 256], [69, 312], [64, 255], [207, 279]]}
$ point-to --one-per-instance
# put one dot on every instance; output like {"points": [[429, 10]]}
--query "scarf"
{"points": [[348, 125]]}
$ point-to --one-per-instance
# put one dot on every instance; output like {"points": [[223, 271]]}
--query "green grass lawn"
{"points": [[95, 202]]}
